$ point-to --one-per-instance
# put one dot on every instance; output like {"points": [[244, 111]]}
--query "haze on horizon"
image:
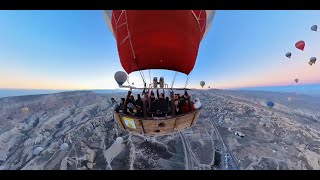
{"points": [[73, 50]]}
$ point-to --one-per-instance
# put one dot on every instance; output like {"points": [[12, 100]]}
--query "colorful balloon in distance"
{"points": [[300, 45], [202, 83], [25, 110], [288, 54], [120, 77], [37, 151], [314, 28], [296, 80], [313, 60], [119, 140], [64, 147], [270, 104]]}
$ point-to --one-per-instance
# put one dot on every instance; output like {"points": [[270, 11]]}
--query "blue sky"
{"points": [[76, 50]]}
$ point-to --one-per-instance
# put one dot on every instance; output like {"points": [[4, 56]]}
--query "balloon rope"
{"points": [[128, 80], [149, 76], [187, 81], [142, 76], [174, 78]]}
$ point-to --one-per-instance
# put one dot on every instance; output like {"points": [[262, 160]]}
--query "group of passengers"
{"points": [[158, 107]]}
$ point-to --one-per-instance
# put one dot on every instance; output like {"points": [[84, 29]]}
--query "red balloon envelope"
{"points": [[158, 39], [300, 45]]}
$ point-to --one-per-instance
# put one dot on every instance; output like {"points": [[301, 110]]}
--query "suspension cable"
{"points": [[174, 78], [142, 77], [186, 82], [149, 76]]}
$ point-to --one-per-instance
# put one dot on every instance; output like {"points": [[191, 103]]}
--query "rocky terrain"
{"points": [[284, 137]]}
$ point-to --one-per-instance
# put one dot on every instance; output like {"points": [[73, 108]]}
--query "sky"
{"points": [[74, 50]]}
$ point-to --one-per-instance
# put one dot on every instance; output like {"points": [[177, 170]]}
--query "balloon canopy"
{"points": [[202, 83], [314, 28], [288, 54], [300, 45], [37, 151], [25, 110], [270, 104], [313, 59], [296, 80], [119, 140], [120, 77], [64, 146], [158, 39]]}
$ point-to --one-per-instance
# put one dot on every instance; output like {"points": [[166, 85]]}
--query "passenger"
{"points": [[177, 108], [152, 98], [125, 109], [145, 101], [162, 106], [153, 106], [139, 105], [139, 101], [168, 102], [114, 104], [131, 109], [187, 106], [132, 100], [121, 106], [197, 103]]}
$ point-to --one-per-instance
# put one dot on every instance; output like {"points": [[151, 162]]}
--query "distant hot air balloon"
{"points": [[64, 147], [37, 151], [209, 87], [119, 140], [120, 77], [25, 110], [314, 27], [132, 83], [202, 83], [300, 45], [313, 60], [288, 54], [270, 104], [296, 80]]}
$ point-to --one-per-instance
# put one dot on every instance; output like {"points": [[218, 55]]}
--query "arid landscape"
{"points": [[236, 130]]}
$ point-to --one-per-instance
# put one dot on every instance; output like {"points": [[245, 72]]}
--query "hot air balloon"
{"points": [[202, 83], [25, 110], [313, 60], [64, 147], [119, 140], [288, 54], [270, 104], [296, 80], [37, 151], [158, 39], [300, 45], [209, 87], [314, 27], [120, 77]]}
